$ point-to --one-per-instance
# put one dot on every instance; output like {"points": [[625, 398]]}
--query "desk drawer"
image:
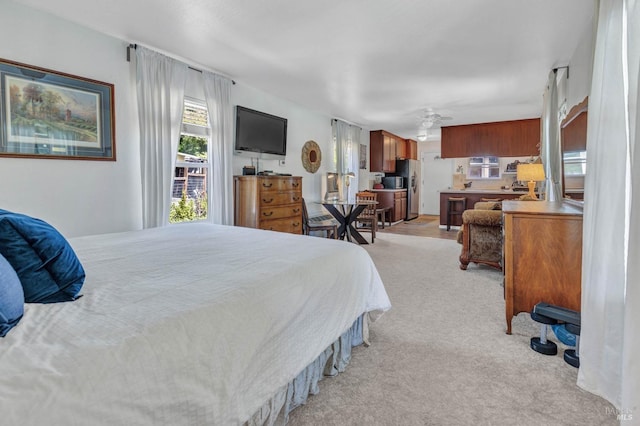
{"points": [[278, 198]]}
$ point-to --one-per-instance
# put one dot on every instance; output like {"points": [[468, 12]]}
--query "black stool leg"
{"points": [[541, 344], [572, 356]]}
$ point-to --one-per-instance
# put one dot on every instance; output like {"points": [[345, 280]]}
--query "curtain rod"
{"points": [[344, 121], [555, 70], [135, 46]]}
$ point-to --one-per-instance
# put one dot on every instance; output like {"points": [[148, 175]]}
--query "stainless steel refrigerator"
{"points": [[410, 171]]}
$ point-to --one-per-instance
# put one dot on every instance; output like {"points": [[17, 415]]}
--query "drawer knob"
{"points": [[296, 198], [295, 184], [270, 200], [265, 185], [296, 224], [296, 210], [267, 214]]}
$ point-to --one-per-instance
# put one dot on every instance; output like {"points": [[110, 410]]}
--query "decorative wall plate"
{"points": [[311, 156]]}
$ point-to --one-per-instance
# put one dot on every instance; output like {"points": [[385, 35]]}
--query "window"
{"points": [[575, 163], [483, 168], [189, 193]]}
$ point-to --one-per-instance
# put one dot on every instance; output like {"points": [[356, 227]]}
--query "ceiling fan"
{"points": [[429, 120]]}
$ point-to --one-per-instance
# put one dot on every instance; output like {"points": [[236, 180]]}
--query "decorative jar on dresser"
{"points": [[269, 202]]}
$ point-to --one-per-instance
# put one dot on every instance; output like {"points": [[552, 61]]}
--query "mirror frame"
{"points": [[573, 130], [311, 156]]}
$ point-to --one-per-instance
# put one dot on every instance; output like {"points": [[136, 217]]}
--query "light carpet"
{"points": [[440, 356]]}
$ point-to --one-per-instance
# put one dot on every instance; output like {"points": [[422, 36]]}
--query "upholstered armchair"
{"points": [[481, 235]]}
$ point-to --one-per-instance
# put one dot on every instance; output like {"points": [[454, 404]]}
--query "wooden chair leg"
{"points": [[374, 227]]}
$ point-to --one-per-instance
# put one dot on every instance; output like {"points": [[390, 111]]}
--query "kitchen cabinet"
{"points": [[542, 255], [401, 149], [412, 149], [400, 204], [383, 151], [518, 138], [396, 199]]}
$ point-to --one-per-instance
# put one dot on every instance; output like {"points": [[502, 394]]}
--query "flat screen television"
{"points": [[260, 135]]}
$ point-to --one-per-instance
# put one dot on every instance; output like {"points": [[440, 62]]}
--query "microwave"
{"points": [[392, 182]]}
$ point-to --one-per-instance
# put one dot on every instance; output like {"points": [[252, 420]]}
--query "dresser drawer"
{"points": [[278, 183], [292, 225], [269, 198], [279, 212]]}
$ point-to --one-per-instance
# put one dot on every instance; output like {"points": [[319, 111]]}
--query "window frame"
{"points": [[198, 131], [484, 167]]}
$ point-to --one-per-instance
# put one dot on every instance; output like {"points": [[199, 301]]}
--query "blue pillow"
{"points": [[47, 266], [11, 297]]}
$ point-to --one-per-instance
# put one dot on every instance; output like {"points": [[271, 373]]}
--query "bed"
{"points": [[190, 324]]}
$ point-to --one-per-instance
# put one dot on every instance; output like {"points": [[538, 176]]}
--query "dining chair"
{"points": [[331, 229], [368, 219]]}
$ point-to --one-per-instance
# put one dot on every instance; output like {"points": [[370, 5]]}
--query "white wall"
{"points": [[578, 85], [77, 197], [90, 197], [302, 125]]}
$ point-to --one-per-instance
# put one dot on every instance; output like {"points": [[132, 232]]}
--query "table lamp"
{"points": [[530, 173], [348, 177]]}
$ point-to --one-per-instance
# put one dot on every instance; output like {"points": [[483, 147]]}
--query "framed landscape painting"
{"points": [[49, 114]]}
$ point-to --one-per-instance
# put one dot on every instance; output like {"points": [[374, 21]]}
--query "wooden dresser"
{"points": [[269, 202], [542, 255]]}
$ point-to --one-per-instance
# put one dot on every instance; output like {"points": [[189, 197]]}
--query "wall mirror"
{"points": [[573, 137], [311, 156]]}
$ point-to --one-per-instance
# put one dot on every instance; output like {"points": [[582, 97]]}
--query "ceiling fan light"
{"points": [[422, 137]]}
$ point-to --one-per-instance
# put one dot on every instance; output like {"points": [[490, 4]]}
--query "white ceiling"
{"points": [[375, 63]]}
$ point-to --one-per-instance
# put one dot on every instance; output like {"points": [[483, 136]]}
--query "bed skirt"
{"points": [[332, 361]]}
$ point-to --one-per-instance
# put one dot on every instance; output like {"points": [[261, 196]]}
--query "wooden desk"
{"points": [[542, 255]]}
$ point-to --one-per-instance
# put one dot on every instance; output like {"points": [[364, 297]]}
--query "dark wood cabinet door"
{"points": [[519, 138], [383, 151]]}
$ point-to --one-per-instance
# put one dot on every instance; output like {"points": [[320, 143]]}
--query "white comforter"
{"points": [[188, 324]]}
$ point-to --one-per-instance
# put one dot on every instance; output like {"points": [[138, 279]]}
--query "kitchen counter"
{"points": [[482, 191], [473, 196]]}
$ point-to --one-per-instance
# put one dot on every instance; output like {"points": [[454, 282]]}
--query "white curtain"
{"points": [[631, 349], [610, 341], [346, 145], [550, 150], [217, 91], [160, 83]]}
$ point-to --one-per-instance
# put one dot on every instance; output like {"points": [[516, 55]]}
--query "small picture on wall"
{"points": [[363, 156]]}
